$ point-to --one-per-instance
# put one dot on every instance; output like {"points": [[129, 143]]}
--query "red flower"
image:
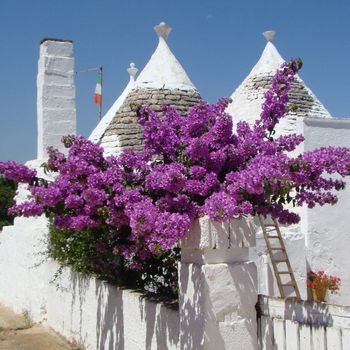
{"points": [[319, 280]]}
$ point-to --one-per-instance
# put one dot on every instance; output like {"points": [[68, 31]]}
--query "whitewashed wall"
{"points": [[23, 277], [102, 317], [297, 325], [105, 317], [295, 244], [328, 230], [217, 287], [87, 310], [322, 239]]}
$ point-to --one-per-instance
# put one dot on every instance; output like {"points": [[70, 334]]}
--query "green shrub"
{"points": [[91, 252], [7, 192]]}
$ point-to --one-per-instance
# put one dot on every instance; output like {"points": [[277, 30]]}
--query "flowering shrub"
{"points": [[91, 252], [189, 167], [319, 281]]}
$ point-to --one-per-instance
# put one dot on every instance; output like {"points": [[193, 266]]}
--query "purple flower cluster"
{"points": [[190, 166], [17, 172], [276, 98]]}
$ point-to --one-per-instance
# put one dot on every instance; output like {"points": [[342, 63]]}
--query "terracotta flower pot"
{"points": [[318, 295]]}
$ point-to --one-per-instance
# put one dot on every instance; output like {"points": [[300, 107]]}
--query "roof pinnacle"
{"points": [[269, 35], [163, 30], [132, 70]]}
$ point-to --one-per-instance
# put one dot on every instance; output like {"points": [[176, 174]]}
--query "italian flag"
{"points": [[98, 92]]}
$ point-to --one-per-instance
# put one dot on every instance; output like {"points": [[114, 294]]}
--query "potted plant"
{"points": [[319, 283]]}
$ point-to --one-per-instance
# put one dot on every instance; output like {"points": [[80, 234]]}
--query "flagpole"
{"points": [[100, 72], [100, 105]]}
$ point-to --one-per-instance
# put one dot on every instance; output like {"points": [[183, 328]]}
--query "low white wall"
{"points": [[305, 312], [298, 325], [87, 310], [105, 317], [23, 277]]}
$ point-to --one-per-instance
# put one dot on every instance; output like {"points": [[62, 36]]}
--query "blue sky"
{"points": [[217, 43]]}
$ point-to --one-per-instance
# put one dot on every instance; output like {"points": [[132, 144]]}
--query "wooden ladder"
{"points": [[272, 233]]}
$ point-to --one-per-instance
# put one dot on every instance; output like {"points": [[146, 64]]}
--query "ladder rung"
{"points": [[284, 273], [273, 236], [270, 225], [276, 248], [280, 260]]}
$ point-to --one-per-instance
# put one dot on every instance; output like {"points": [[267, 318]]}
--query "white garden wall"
{"points": [[105, 317], [217, 292], [23, 276], [298, 325], [92, 312]]}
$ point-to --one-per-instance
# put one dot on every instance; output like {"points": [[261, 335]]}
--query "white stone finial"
{"points": [[269, 35], [132, 70], [163, 30]]}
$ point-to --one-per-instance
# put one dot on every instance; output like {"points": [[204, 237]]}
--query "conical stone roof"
{"points": [[101, 127], [163, 81], [249, 96]]}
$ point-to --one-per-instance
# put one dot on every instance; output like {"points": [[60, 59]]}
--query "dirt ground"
{"points": [[17, 332]]}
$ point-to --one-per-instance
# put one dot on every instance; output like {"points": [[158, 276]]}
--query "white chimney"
{"points": [[56, 110]]}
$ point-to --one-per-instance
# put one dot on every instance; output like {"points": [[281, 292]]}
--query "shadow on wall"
{"points": [[159, 322], [299, 311], [105, 317], [192, 307], [284, 320], [80, 286], [310, 313], [244, 281], [218, 300], [110, 317]]}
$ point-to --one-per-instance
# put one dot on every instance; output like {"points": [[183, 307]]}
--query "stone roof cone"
{"points": [[248, 97], [108, 117], [163, 81]]}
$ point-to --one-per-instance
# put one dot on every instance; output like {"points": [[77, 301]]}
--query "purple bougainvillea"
{"points": [[190, 166]]}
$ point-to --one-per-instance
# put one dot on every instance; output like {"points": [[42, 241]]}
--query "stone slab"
{"points": [[206, 234]]}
